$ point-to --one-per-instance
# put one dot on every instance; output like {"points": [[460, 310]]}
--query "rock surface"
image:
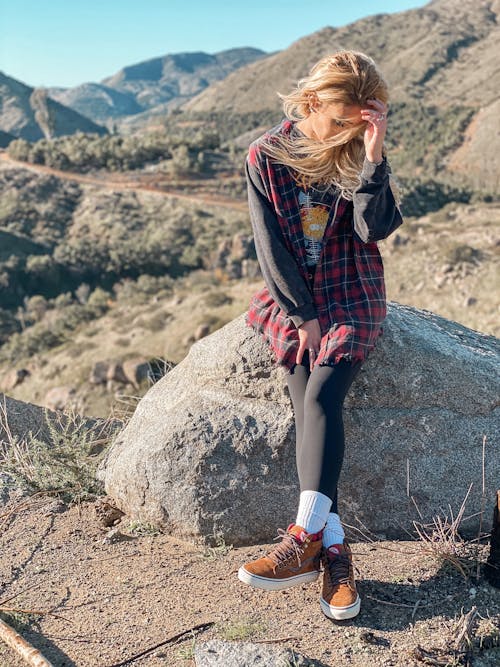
{"points": [[210, 449], [219, 653]]}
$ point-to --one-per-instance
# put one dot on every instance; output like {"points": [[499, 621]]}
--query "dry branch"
{"points": [[29, 653], [170, 640]]}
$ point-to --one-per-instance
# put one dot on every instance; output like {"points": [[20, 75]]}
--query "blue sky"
{"points": [[68, 42]]}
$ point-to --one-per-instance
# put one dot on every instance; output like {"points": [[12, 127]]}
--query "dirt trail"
{"points": [[122, 185]]}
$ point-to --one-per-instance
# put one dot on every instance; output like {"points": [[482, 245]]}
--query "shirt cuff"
{"points": [[302, 314], [373, 170]]}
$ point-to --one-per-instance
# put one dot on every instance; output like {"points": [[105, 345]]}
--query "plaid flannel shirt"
{"points": [[346, 293]]}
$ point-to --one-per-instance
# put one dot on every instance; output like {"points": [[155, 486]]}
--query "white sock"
{"points": [[313, 510], [334, 532]]}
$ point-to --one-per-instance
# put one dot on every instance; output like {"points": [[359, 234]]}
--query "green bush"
{"points": [[66, 464], [216, 299], [462, 253], [9, 325], [43, 336]]}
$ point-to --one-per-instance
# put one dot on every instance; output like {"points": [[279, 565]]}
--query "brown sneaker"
{"points": [[339, 597], [296, 560]]}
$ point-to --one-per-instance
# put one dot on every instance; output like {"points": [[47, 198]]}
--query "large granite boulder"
{"points": [[210, 449]]}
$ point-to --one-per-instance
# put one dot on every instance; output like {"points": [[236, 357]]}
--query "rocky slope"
{"points": [[438, 62], [31, 114], [440, 53]]}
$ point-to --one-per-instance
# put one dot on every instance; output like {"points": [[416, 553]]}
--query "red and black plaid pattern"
{"points": [[348, 285]]}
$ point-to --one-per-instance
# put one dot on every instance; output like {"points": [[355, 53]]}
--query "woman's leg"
{"points": [[297, 558], [322, 451], [320, 436], [297, 383], [312, 512]]}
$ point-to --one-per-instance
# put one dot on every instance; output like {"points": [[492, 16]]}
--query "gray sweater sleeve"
{"points": [[375, 210], [279, 268]]}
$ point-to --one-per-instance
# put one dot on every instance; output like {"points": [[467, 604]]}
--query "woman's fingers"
{"points": [[312, 358], [381, 106], [300, 351], [309, 339], [312, 355]]}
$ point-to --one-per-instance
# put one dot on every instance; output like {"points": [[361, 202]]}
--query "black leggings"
{"points": [[317, 399]]}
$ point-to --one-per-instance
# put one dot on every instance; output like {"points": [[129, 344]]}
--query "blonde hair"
{"points": [[345, 77]]}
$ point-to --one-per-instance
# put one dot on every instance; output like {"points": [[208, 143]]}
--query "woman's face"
{"points": [[341, 115]]}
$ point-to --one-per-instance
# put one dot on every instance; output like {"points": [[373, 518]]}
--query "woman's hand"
{"points": [[310, 339], [376, 127]]}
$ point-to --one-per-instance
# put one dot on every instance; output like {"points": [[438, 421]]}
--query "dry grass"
{"points": [[440, 538], [64, 464]]}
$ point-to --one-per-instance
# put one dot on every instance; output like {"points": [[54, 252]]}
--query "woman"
{"points": [[321, 195]]}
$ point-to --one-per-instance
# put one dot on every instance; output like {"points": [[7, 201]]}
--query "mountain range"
{"points": [[32, 114], [440, 54], [144, 89], [440, 61], [160, 84]]}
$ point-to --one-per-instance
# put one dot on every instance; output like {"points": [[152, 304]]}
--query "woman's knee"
{"points": [[328, 385]]}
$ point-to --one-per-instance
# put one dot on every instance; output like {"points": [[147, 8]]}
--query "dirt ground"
{"points": [[112, 600]]}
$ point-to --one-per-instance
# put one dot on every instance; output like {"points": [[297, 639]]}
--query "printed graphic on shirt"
{"points": [[314, 216]]}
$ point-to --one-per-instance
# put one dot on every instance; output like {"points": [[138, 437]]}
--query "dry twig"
{"points": [[275, 641], [29, 653], [459, 651], [170, 640], [36, 612]]}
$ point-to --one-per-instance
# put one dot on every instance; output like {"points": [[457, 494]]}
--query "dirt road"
{"points": [[124, 183]]}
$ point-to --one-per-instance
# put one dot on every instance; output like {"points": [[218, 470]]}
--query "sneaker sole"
{"points": [[340, 613], [275, 584]]}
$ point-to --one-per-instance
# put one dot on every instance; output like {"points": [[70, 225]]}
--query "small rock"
{"points": [[219, 653], [202, 331], [115, 535], [99, 372], [58, 398], [106, 513], [135, 370], [13, 378], [57, 506]]}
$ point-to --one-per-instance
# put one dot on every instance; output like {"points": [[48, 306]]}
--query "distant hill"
{"points": [[440, 60], [30, 113], [442, 53], [96, 101], [161, 83]]}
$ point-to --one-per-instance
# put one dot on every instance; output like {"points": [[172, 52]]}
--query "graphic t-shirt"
{"points": [[315, 204]]}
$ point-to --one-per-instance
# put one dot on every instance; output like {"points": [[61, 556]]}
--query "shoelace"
{"points": [[283, 552], [338, 568]]}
